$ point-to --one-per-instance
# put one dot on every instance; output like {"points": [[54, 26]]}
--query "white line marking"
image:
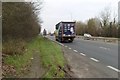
{"points": [[82, 54], [94, 59], [75, 51], [104, 48], [113, 68], [65, 46], [69, 48], [61, 44]]}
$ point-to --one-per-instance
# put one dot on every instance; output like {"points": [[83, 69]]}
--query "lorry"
{"points": [[65, 31]]}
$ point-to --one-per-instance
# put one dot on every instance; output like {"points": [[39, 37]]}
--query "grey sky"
{"points": [[54, 11]]}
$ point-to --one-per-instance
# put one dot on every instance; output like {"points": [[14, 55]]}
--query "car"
{"points": [[87, 36]]}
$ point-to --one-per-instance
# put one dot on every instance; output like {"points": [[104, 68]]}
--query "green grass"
{"points": [[50, 54], [19, 61]]}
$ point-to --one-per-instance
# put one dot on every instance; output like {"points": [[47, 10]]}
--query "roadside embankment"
{"points": [[39, 52]]}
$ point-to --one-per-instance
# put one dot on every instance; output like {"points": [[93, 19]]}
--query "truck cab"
{"points": [[65, 31]]}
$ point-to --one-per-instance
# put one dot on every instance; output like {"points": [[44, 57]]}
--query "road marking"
{"points": [[65, 46], [104, 48], [61, 44], [69, 48], [94, 59], [113, 68], [75, 51], [82, 54]]}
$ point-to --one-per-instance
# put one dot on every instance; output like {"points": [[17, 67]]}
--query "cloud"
{"points": [[58, 10]]}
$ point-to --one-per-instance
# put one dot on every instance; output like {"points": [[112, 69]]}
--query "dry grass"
{"points": [[12, 46]]}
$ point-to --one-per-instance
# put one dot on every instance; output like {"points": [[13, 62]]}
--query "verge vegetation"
{"points": [[50, 55]]}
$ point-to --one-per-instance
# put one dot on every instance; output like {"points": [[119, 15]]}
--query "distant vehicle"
{"points": [[65, 31], [51, 34], [44, 32], [87, 36]]}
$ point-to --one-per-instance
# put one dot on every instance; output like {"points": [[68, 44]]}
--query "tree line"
{"points": [[100, 26], [20, 23]]}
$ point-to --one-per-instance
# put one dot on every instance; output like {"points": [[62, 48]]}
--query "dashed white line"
{"points": [[104, 48], [94, 59], [113, 68], [82, 54], [69, 48], [75, 51]]}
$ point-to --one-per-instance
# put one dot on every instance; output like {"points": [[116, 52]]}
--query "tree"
{"points": [[105, 19], [119, 31], [114, 32], [20, 23], [91, 27], [20, 20], [80, 28], [105, 16]]}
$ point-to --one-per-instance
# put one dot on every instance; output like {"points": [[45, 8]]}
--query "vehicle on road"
{"points": [[52, 34], [87, 36], [65, 31]]}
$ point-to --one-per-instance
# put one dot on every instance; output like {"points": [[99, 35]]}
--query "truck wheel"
{"points": [[71, 40]]}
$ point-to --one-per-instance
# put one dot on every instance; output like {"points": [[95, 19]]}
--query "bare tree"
{"points": [[105, 16]]}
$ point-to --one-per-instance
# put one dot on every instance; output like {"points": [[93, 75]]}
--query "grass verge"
{"points": [[51, 57], [19, 62]]}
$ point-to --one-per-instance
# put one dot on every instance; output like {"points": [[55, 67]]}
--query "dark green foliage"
{"points": [[19, 20], [20, 23]]}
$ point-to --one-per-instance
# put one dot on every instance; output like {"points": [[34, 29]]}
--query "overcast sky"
{"points": [[54, 11]]}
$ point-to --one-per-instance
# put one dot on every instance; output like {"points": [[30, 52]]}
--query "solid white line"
{"points": [[94, 59], [69, 48], [113, 68], [65, 46], [61, 44], [82, 54], [75, 50]]}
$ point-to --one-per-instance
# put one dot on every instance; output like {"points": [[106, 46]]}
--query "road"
{"points": [[105, 53]]}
